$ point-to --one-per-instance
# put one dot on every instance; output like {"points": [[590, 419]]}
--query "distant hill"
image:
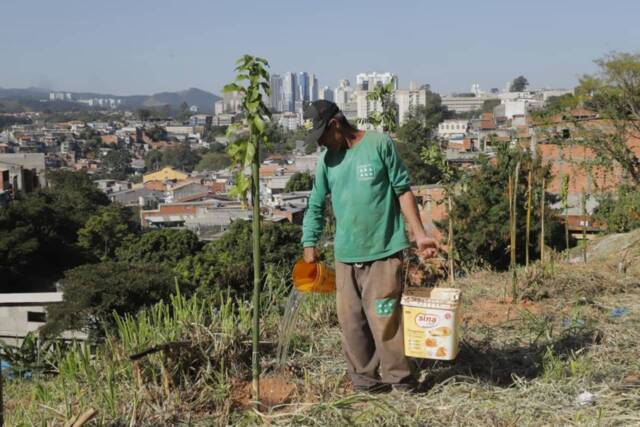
{"points": [[202, 99]]}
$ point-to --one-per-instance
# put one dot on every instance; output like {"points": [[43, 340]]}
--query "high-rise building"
{"points": [[326, 93], [277, 95], [303, 86], [289, 89], [342, 94], [367, 81], [409, 99], [313, 88]]}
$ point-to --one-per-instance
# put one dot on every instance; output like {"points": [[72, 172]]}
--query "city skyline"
{"points": [[145, 47]]}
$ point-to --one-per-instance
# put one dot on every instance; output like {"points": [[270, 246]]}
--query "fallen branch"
{"points": [[159, 347], [83, 418]]}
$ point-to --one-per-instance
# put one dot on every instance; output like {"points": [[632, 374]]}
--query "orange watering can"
{"points": [[314, 277]]}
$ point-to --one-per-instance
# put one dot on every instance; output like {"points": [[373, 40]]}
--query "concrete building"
{"points": [[408, 99], [449, 128], [27, 171], [463, 104], [290, 121], [232, 102], [365, 106], [109, 186], [342, 94], [24, 313]]}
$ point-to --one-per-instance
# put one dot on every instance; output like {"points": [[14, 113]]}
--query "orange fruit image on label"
{"points": [[430, 342], [441, 352], [441, 331]]}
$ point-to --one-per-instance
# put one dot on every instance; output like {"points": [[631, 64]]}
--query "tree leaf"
{"points": [[259, 124], [232, 87]]}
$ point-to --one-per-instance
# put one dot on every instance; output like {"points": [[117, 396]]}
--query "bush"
{"points": [[299, 181], [166, 246], [620, 211], [481, 211], [94, 292], [227, 263]]}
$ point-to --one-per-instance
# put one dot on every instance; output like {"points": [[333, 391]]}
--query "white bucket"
{"points": [[431, 319]]}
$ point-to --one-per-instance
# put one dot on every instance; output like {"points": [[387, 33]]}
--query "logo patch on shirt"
{"points": [[366, 172]]}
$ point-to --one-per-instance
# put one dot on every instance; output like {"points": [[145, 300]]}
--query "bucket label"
{"points": [[431, 333], [427, 320]]}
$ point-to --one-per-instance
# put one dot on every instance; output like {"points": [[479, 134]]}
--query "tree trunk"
{"points": [[528, 236], [255, 199]]}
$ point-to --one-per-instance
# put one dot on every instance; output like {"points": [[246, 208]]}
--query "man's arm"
{"points": [[427, 246], [399, 179], [313, 222]]}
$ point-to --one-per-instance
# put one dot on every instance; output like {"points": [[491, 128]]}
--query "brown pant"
{"points": [[370, 315]]}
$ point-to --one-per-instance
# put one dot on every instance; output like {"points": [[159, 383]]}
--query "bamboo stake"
{"points": [[255, 199], [584, 227], [450, 242], [511, 243], [1, 397], [528, 236], [542, 200], [514, 232], [565, 206]]}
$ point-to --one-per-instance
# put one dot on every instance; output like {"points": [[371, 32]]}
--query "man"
{"points": [[370, 191]]}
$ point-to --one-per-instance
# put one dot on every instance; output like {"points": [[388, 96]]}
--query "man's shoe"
{"points": [[403, 387], [375, 388]]}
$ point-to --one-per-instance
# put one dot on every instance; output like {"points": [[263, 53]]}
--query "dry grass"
{"points": [[526, 366]]}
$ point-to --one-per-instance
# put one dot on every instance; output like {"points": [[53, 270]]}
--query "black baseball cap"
{"points": [[316, 116]]}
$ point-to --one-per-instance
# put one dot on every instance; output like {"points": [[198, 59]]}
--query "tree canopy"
{"points": [[166, 246], [105, 231], [94, 292], [224, 263], [519, 84], [299, 181], [39, 230], [481, 210]]}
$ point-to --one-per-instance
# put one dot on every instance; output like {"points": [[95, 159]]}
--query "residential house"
{"points": [[137, 197], [164, 174], [109, 186]]}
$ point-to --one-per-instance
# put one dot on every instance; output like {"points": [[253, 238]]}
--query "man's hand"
{"points": [[310, 255], [427, 247]]}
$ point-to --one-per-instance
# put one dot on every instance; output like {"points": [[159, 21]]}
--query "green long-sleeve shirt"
{"points": [[364, 182]]}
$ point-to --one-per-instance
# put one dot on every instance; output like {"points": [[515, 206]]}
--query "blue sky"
{"points": [[141, 46]]}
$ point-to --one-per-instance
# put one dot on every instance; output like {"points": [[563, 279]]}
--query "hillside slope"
{"points": [[566, 353]]}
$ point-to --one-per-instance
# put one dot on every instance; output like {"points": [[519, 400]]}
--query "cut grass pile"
{"points": [[577, 330]]}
